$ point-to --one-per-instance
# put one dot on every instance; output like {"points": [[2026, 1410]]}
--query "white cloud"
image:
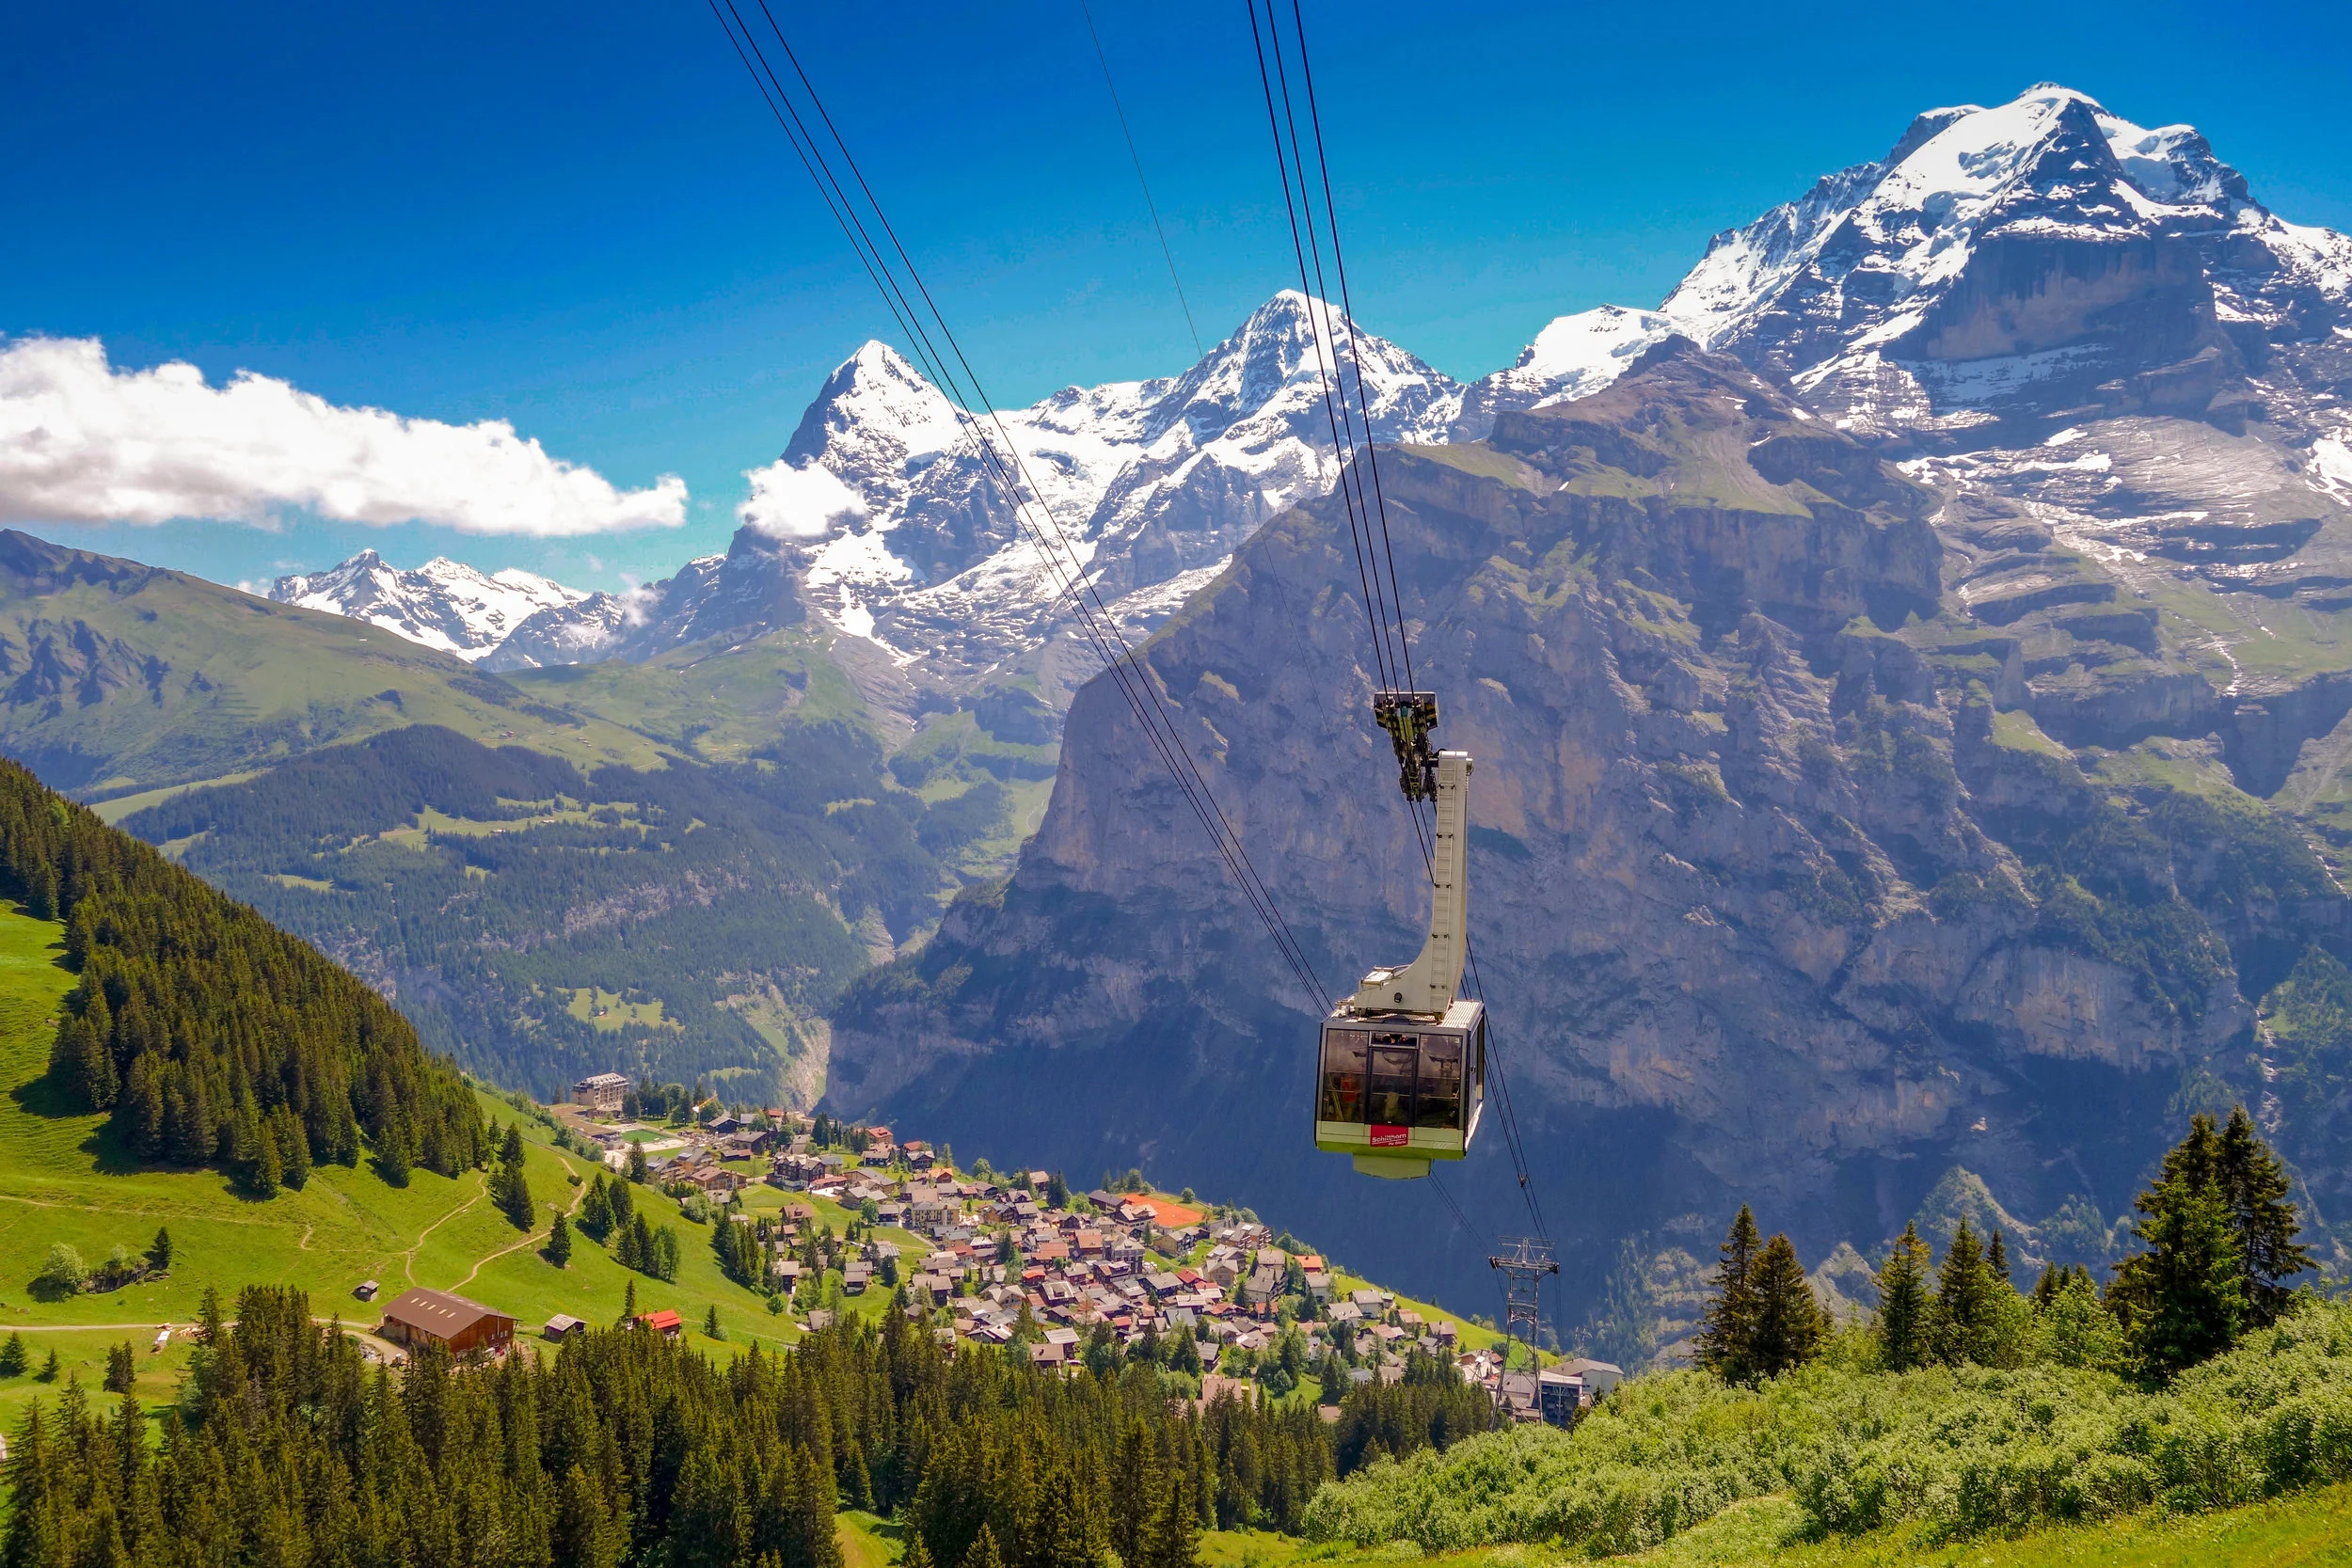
{"points": [[798, 504], [81, 441]]}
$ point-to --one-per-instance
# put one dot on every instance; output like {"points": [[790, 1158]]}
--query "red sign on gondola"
{"points": [[1390, 1137]]}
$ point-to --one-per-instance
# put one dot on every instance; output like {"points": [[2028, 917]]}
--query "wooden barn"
{"points": [[422, 1317]]}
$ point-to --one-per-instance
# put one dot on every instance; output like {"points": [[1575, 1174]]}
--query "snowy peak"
{"points": [[443, 604], [1573, 358], [1276, 364], [2037, 259]]}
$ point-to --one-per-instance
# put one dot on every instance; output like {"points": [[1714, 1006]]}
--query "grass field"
{"points": [[63, 1180], [2310, 1529], [251, 683]]}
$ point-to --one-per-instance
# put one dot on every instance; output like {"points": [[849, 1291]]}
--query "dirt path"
{"points": [[580, 1194], [408, 1258]]}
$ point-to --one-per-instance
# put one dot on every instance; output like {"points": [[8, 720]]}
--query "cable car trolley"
{"points": [[1402, 1075]]}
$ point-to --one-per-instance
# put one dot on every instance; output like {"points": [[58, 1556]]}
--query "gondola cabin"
{"points": [[1398, 1092], [1402, 1073]]}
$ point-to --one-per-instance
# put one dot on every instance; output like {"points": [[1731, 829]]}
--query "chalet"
{"points": [[418, 1318], [665, 1322], [1089, 1243], [717, 1183], [600, 1094], [855, 1277], [878, 1137], [918, 1153], [723, 1126], [365, 1290], [562, 1326], [1263, 1284]]}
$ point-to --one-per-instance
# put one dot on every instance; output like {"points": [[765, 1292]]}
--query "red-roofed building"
{"points": [[665, 1322]]}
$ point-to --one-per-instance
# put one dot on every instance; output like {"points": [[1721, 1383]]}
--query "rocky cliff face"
{"points": [[1783, 893]]}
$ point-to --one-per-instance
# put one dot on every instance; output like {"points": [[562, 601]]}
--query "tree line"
{"points": [[2217, 1238], [212, 1036], [626, 1448]]}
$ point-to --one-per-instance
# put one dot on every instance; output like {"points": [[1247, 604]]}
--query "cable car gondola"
{"points": [[1402, 1075]]}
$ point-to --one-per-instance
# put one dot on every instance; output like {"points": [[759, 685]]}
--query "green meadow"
{"points": [[63, 1178]]}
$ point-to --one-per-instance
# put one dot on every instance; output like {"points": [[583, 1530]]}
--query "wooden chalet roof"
{"points": [[439, 1313]]}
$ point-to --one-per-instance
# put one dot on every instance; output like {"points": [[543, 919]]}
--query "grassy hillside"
{"points": [[118, 678], [62, 1178]]}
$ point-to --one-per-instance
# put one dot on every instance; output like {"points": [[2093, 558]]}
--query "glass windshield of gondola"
{"points": [[1343, 1098], [1393, 1073], [1439, 1090]]}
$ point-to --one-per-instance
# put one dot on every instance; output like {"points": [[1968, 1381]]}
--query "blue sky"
{"points": [[580, 219]]}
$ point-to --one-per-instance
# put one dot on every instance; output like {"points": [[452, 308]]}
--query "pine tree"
{"points": [[2184, 1299], [596, 1210], [628, 1302], [1788, 1327], [1996, 1260], [294, 1148], [710, 1322], [1729, 1323], [13, 1358], [159, 1250], [559, 1249], [1903, 1307], [1173, 1539], [1966, 1315], [857, 1480], [916, 1554], [637, 1162], [123, 1368], [1134, 1491], [268, 1171], [982, 1553], [49, 1368], [2254, 1185]]}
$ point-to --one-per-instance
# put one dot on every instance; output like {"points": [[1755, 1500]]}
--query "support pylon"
{"points": [[1522, 1261]]}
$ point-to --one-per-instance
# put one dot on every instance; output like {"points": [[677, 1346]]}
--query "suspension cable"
{"points": [[1136, 158], [1367, 504], [1098, 626]]}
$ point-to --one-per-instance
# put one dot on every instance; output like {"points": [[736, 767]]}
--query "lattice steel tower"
{"points": [[1522, 1261]]}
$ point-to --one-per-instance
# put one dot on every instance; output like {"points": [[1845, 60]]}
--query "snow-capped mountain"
{"points": [[1573, 358], [2003, 276], [443, 604], [1138, 484], [2041, 257]]}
